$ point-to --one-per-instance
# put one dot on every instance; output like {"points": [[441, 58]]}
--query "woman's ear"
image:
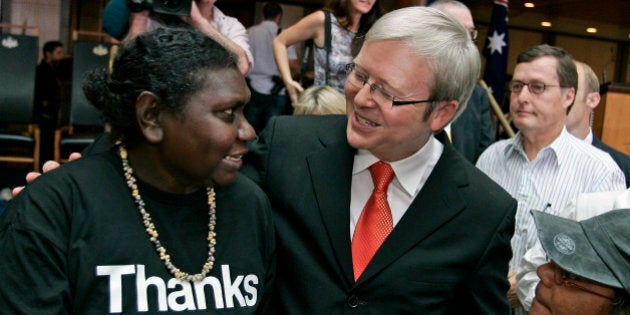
{"points": [[148, 112]]}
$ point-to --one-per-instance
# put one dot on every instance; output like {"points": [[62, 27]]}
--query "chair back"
{"points": [[18, 63], [87, 56]]}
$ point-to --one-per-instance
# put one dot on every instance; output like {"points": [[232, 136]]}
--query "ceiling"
{"points": [[610, 17]]}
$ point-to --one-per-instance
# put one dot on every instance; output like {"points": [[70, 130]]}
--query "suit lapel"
{"points": [[438, 202], [331, 173]]}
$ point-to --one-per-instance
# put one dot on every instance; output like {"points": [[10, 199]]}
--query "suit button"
{"points": [[353, 301]]}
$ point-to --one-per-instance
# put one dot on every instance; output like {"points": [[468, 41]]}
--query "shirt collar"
{"points": [[409, 170], [589, 137], [514, 146], [559, 147]]}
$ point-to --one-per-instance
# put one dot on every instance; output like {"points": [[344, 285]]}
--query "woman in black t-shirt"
{"points": [[162, 221]]}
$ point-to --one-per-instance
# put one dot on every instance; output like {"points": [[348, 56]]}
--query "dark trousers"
{"points": [[262, 107], [47, 126]]}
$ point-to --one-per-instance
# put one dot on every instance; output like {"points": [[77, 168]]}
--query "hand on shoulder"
{"points": [[47, 167]]}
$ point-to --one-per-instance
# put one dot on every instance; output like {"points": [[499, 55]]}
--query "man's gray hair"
{"points": [[441, 4], [444, 43]]}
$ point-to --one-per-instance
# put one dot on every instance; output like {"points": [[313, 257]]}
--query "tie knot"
{"points": [[382, 175]]}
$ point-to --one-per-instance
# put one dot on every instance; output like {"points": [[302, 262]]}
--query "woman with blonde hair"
{"points": [[320, 100]]}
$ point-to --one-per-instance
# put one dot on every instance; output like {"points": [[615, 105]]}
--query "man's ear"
{"points": [[443, 114], [148, 114], [569, 97], [592, 100]]}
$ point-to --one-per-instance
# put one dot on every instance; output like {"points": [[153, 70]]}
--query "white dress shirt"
{"points": [[411, 175], [586, 206]]}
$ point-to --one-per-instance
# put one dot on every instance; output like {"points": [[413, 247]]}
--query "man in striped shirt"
{"points": [[578, 124], [544, 167]]}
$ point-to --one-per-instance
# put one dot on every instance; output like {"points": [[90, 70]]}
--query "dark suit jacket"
{"points": [[622, 160], [472, 131], [448, 255]]}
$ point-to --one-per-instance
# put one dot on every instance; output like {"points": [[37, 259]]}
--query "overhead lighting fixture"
{"points": [[529, 4], [545, 24], [591, 30]]}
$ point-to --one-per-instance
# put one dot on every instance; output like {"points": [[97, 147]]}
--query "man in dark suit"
{"points": [[441, 240], [579, 118], [471, 133], [432, 238]]}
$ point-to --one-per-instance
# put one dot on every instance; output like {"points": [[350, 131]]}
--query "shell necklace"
{"points": [[153, 234]]}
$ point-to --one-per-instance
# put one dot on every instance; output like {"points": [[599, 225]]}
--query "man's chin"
{"points": [[354, 140]]}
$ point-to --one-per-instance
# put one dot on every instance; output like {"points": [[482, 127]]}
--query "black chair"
{"points": [[19, 134], [81, 121]]}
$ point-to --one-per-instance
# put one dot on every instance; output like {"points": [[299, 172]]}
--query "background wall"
{"points": [[57, 18], [46, 14]]}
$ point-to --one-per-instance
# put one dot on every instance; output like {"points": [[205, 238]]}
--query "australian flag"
{"points": [[496, 50]]}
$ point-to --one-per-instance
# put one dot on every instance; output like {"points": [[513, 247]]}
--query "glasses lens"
{"points": [[352, 76], [516, 86], [381, 96], [359, 79], [537, 88]]}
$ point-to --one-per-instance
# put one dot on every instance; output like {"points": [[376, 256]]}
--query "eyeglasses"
{"points": [[359, 78], [533, 87], [569, 280]]}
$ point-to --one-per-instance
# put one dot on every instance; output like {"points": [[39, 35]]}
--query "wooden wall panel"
{"points": [[612, 116], [598, 54]]}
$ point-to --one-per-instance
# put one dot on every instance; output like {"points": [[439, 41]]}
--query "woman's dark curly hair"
{"points": [[171, 63]]}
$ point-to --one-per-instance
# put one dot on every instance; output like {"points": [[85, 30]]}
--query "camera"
{"points": [[168, 7]]}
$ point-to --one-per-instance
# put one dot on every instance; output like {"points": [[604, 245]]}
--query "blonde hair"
{"points": [[320, 100]]}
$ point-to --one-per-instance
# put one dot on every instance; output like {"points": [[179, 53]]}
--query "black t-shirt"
{"points": [[74, 242]]}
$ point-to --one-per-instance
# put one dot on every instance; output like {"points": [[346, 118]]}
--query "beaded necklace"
{"points": [[153, 234]]}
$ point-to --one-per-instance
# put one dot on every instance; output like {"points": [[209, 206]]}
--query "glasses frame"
{"points": [[351, 68], [529, 88], [567, 279]]}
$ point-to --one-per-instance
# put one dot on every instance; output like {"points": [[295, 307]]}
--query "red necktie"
{"points": [[375, 222]]}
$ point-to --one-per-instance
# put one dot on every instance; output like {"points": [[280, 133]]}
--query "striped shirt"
{"points": [[560, 172]]}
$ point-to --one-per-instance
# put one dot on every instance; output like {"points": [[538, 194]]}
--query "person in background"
{"points": [[47, 97], [578, 124], [350, 20], [472, 132], [320, 100], [544, 167], [268, 92], [588, 269], [204, 16], [585, 207], [159, 215], [373, 213], [580, 118], [348, 239]]}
